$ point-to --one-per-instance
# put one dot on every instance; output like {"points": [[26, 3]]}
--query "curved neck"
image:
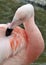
{"points": [[29, 25]]}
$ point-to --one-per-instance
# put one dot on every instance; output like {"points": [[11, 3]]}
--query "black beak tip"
{"points": [[8, 32]]}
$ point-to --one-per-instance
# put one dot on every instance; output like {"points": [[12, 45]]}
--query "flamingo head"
{"points": [[22, 14]]}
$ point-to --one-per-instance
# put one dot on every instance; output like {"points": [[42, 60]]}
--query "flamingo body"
{"points": [[15, 44], [25, 45]]}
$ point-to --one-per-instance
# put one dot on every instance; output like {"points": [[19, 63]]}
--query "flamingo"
{"points": [[21, 46]]}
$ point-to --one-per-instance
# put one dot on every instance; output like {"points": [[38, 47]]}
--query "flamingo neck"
{"points": [[29, 25]]}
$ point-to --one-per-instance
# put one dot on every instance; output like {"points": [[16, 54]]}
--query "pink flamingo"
{"points": [[23, 46]]}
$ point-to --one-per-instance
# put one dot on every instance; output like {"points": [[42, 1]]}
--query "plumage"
{"points": [[27, 44]]}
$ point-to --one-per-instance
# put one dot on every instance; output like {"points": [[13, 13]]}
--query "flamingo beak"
{"points": [[12, 25], [15, 22], [8, 31]]}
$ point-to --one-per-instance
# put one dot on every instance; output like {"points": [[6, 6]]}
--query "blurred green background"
{"points": [[7, 10]]}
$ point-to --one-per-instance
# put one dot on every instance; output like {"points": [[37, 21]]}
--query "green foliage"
{"points": [[7, 10]]}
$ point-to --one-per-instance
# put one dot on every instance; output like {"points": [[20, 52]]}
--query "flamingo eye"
{"points": [[23, 18]]}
